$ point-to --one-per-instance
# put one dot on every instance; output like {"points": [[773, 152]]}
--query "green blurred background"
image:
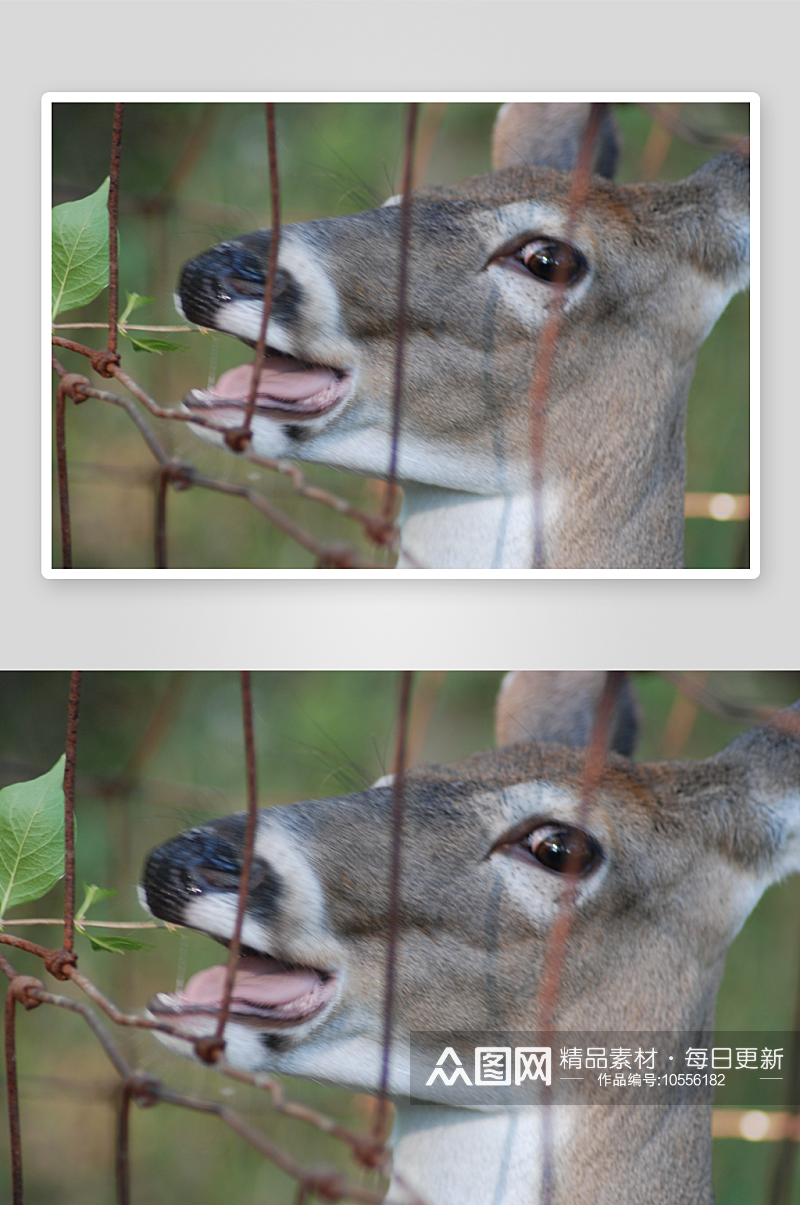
{"points": [[159, 752], [195, 174]]}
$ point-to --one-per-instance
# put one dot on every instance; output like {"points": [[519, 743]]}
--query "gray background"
{"points": [[399, 46]]}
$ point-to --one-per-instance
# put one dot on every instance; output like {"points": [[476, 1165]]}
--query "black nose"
{"points": [[188, 866], [222, 274]]}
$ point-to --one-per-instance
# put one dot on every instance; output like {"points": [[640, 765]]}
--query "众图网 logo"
{"points": [[493, 1066]]}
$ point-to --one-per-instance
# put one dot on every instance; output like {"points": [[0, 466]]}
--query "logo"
{"points": [[493, 1065], [440, 1073], [532, 1062], [483, 1069]]}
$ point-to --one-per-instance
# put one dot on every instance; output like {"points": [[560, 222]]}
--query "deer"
{"points": [[663, 870], [642, 272]]}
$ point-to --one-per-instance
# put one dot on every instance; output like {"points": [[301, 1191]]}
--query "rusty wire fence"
{"points": [[73, 1088], [136, 489]]}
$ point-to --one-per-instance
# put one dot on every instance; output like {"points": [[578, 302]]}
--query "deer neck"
{"points": [[586, 525], [638, 1155], [450, 529], [605, 518], [462, 1157]]}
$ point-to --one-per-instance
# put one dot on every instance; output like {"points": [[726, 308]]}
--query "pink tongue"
{"points": [[281, 378], [255, 982]]}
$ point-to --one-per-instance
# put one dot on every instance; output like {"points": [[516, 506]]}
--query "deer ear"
{"points": [[560, 706], [758, 779], [712, 230], [549, 135]]}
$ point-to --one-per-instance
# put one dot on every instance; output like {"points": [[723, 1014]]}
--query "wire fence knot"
{"points": [[238, 440], [372, 1153], [75, 385], [21, 985], [381, 531], [56, 962], [103, 362], [326, 1184], [143, 1088], [178, 474], [338, 557], [209, 1049]]}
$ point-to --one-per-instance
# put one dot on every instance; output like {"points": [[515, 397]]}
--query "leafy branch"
{"points": [[32, 853], [80, 264]]}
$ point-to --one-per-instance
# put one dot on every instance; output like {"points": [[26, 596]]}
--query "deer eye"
{"points": [[552, 261], [562, 849]]}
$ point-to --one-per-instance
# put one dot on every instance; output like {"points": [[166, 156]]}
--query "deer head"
{"points": [[664, 869], [647, 269]]}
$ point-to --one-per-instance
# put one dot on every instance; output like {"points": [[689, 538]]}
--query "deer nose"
{"points": [[190, 865], [220, 275]]}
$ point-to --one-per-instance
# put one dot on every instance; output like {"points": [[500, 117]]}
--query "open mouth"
{"points": [[287, 388], [267, 994]]}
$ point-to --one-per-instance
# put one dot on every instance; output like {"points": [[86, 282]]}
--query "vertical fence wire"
{"points": [[101, 362], [558, 936], [247, 856], [113, 218], [160, 527], [239, 439], [73, 712], [62, 472], [545, 358], [122, 1154], [12, 1094], [780, 1191], [398, 812], [402, 293], [783, 1173]]}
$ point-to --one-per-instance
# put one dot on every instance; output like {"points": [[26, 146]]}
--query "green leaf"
{"points": [[157, 346], [92, 894], [117, 945], [135, 302], [31, 837], [80, 250]]}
